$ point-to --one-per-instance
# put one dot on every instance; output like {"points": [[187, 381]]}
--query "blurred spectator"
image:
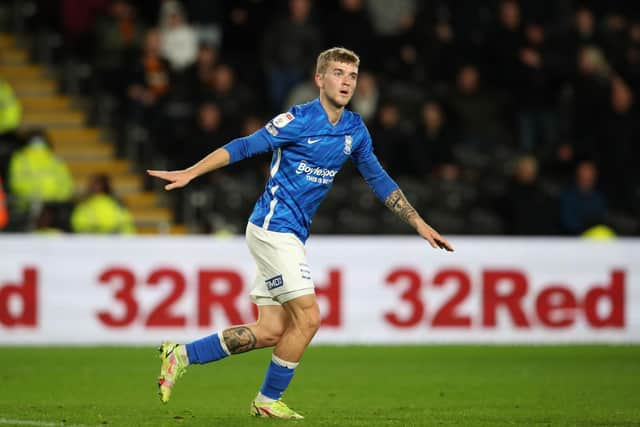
{"points": [[599, 232], [149, 79], [178, 40], [78, 18], [351, 27], [479, 114], [365, 99], [528, 209], [582, 33], [10, 116], [393, 23], [536, 92], [199, 74], [46, 222], [289, 50], [118, 34], [440, 47], [582, 204], [207, 17], [631, 67], [303, 92], [210, 134], [504, 43], [614, 37], [454, 197], [433, 142], [591, 94], [4, 211], [390, 139], [37, 175], [392, 19], [99, 212], [244, 26], [617, 137], [233, 98]]}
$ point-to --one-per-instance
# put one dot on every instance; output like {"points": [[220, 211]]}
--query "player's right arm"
{"points": [[216, 160], [278, 132]]}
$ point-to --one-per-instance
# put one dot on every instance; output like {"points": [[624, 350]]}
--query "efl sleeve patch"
{"points": [[283, 119]]}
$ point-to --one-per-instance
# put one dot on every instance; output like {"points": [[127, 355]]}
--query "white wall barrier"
{"points": [[140, 290]]}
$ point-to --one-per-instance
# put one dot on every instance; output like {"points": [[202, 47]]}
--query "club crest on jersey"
{"points": [[347, 144], [283, 119], [271, 129]]}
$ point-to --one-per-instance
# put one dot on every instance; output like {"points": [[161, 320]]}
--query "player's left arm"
{"points": [[399, 205], [388, 192]]}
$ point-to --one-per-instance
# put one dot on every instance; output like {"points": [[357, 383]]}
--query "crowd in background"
{"points": [[495, 117]]}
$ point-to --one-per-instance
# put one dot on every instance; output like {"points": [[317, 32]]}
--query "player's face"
{"points": [[338, 82]]}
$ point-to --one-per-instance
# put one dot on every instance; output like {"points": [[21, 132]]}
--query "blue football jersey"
{"points": [[308, 153]]}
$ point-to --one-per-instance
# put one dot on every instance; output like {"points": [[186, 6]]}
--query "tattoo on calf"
{"points": [[399, 205], [239, 339]]}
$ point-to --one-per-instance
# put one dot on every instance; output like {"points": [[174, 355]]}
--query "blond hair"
{"points": [[337, 54]]}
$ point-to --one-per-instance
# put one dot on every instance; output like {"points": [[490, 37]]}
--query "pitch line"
{"points": [[35, 423]]}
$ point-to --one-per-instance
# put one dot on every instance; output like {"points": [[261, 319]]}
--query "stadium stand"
{"points": [[456, 95]]}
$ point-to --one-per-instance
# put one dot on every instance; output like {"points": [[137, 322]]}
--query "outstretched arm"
{"points": [[399, 205], [219, 158]]}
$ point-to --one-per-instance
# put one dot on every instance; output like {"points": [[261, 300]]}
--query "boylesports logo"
{"points": [[274, 282], [316, 174]]}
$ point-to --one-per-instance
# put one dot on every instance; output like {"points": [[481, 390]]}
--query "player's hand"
{"points": [[177, 178], [433, 237]]}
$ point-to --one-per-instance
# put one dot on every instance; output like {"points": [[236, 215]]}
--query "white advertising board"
{"points": [[371, 290]]}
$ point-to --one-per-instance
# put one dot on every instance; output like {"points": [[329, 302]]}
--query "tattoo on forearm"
{"points": [[399, 205], [239, 339]]}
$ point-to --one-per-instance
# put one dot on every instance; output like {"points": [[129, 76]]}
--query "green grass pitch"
{"points": [[334, 386]]}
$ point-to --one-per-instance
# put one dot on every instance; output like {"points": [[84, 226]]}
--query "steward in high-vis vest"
{"points": [[100, 212], [10, 110], [4, 211], [36, 174]]}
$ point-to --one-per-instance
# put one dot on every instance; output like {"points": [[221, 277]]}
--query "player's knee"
{"points": [[309, 323], [272, 334]]}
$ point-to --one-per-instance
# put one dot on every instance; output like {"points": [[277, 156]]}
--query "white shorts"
{"points": [[282, 270]]}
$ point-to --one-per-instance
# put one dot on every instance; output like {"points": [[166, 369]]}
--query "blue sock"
{"points": [[205, 350], [277, 378]]}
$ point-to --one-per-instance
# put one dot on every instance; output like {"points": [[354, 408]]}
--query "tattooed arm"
{"points": [[399, 205]]}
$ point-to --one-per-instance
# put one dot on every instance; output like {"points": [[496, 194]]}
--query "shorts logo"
{"points": [[347, 144], [274, 282], [283, 119], [271, 129], [305, 271]]}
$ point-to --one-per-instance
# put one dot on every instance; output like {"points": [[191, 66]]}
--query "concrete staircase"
{"points": [[86, 150]]}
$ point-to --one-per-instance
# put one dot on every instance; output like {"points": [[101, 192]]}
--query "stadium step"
{"points": [[53, 119], [73, 152], [147, 199], [176, 229], [75, 135], [6, 41], [92, 167], [45, 103], [151, 216], [21, 72], [33, 87], [13, 56], [122, 185]]}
